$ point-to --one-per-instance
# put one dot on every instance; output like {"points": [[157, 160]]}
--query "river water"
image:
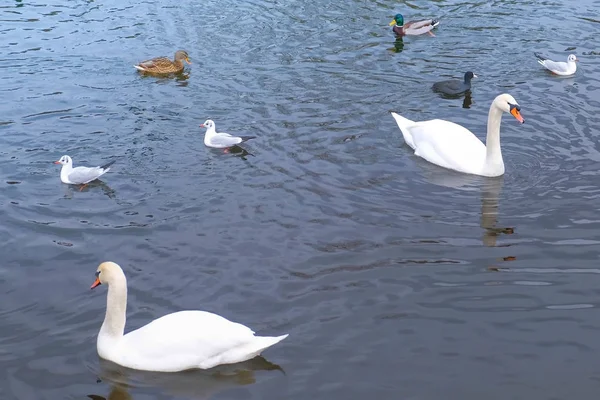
{"points": [[394, 278]]}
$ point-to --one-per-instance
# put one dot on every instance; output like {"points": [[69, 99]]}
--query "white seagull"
{"points": [[220, 140], [80, 175], [559, 67]]}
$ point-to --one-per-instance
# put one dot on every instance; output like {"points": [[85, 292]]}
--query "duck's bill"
{"points": [[96, 283], [475, 76], [393, 23], [202, 126], [187, 60], [517, 114], [56, 162]]}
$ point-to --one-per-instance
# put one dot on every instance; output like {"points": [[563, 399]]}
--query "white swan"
{"points": [[175, 342], [452, 146]]}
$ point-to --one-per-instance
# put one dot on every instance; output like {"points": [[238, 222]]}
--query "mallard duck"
{"points": [[559, 67], [162, 65], [455, 86], [412, 28]]}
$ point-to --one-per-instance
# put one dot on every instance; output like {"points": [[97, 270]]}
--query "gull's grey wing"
{"points": [[225, 140], [81, 175], [556, 66]]}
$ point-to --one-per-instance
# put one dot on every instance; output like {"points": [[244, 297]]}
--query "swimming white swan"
{"points": [[452, 146], [175, 342]]}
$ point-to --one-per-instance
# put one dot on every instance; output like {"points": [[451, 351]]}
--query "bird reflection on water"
{"points": [[71, 191], [490, 190], [193, 384]]}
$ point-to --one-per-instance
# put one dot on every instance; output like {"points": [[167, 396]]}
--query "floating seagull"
{"points": [[559, 67], [455, 86], [220, 140], [80, 175], [412, 28]]}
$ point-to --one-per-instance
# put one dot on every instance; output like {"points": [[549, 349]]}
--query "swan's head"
{"points": [[508, 104], [208, 124], [64, 160], [572, 58], [182, 55], [107, 273], [469, 75], [398, 20]]}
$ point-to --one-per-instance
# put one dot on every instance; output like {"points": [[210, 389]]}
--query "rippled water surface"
{"points": [[394, 278]]}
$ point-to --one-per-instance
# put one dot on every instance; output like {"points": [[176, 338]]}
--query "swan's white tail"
{"points": [[262, 343], [404, 124]]}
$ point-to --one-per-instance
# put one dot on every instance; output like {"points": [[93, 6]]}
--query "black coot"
{"points": [[455, 86]]}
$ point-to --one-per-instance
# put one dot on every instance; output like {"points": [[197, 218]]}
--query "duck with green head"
{"points": [[413, 28]]}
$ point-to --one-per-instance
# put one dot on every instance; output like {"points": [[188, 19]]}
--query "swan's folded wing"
{"points": [[448, 145], [82, 175], [182, 340]]}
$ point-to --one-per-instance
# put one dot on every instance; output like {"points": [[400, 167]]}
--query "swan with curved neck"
{"points": [[452, 146], [175, 342]]}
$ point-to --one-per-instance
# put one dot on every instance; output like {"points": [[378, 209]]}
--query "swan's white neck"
{"points": [[113, 326], [494, 164]]}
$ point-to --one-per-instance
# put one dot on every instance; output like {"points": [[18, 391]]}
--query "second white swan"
{"points": [[452, 146], [175, 342]]}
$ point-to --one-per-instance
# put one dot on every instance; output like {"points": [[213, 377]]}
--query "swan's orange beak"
{"points": [[96, 283], [56, 162], [202, 126], [517, 114]]}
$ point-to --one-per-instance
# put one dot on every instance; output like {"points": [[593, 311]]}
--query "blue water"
{"points": [[394, 278]]}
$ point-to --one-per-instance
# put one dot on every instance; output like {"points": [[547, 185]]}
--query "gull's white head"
{"points": [[208, 124], [64, 160], [572, 58], [508, 104]]}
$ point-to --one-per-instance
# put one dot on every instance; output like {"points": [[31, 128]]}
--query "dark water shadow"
{"points": [[72, 190], [398, 45], [192, 384], [181, 78], [490, 190], [466, 96], [236, 151]]}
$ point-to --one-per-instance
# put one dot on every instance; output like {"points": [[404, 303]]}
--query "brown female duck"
{"points": [[162, 65]]}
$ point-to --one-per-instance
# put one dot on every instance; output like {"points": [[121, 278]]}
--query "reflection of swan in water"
{"points": [[490, 189], [192, 384]]}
